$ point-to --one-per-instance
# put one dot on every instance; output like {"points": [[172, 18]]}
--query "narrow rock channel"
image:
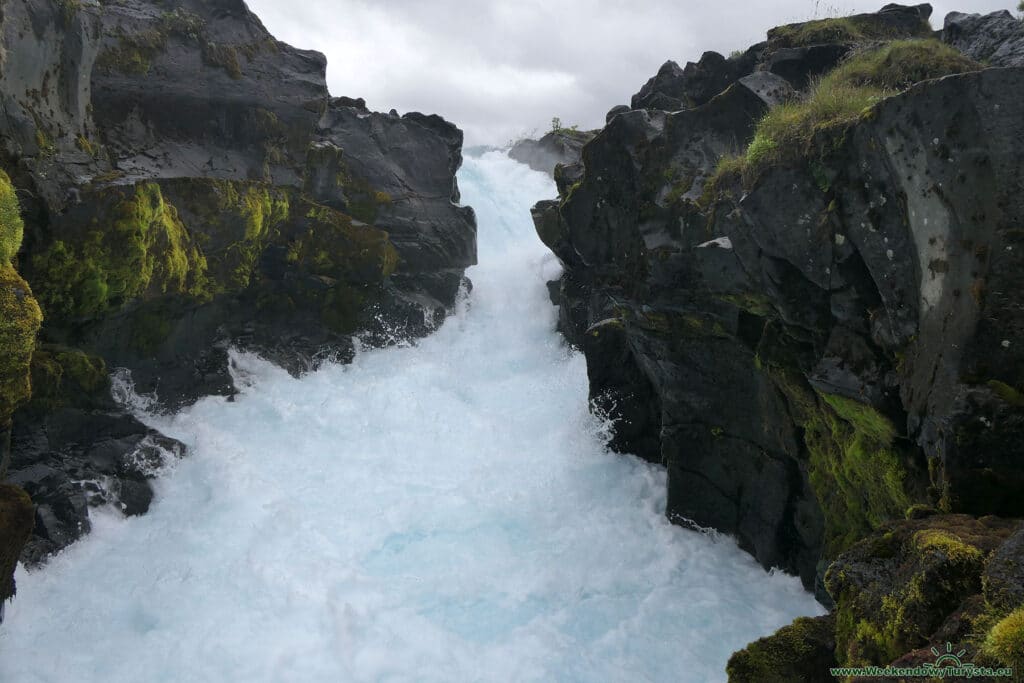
{"points": [[444, 511]]}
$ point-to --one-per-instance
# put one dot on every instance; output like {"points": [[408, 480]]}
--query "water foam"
{"points": [[436, 512]]}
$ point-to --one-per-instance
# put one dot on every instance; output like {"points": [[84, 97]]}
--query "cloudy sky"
{"points": [[501, 69]]}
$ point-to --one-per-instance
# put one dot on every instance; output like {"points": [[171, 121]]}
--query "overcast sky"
{"points": [[501, 69]]}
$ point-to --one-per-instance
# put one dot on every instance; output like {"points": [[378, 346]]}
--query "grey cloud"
{"points": [[500, 69]]}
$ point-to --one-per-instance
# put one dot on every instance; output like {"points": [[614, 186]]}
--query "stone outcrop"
{"points": [[996, 39], [810, 315], [558, 147], [180, 183]]}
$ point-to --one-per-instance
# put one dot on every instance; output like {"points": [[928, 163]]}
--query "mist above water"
{"points": [[444, 511]]}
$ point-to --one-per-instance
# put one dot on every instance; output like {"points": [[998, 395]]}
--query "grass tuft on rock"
{"points": [[854, 29], [787, 133]]}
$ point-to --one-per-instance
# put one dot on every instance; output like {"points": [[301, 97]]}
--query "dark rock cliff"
{"points": [[796, 275], [178, 183]]}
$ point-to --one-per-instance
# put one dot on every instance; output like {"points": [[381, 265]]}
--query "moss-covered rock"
{"points": [[802, 651], [901, 22], [232, 221], [326, 242], [897, 588], [20, 319], [17, 516], [855, 465], [64, 377], [11, 226], [120, 244], [1005, 642]]}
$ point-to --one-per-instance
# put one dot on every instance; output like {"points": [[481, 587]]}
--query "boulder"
{"points": [[996, 39]]}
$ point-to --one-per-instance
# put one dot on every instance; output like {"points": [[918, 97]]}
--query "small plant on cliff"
{"points": [[557, 127]]}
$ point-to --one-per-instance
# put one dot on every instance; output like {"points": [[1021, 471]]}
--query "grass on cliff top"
{"points": [[853, 29], [840, 99]]}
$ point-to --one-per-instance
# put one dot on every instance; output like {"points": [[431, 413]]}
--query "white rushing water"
{"points": [[439, 512]]}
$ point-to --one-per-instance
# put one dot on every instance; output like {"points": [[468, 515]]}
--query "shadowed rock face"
{"points": [[187, 184], [814, 350]]}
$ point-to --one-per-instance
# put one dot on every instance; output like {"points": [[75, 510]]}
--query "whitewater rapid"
{"points": [[444, 511]]}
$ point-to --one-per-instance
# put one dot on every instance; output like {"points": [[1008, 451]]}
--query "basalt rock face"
{"points": [[817, 346], [185, 184], [996, 39], [557, 147]]}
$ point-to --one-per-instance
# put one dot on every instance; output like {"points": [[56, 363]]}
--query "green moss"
{"points": [[1007, 393], [950, 545], [853, 29], [134, 53], [183, 23], [330, 244], [223, 56], [11, 226], [799, 651], [20, 319], [854, 467], [1005, 642], [234, 221], [892, 593], [66, 377], [133, 246], [863, 417], [728, 172]]}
